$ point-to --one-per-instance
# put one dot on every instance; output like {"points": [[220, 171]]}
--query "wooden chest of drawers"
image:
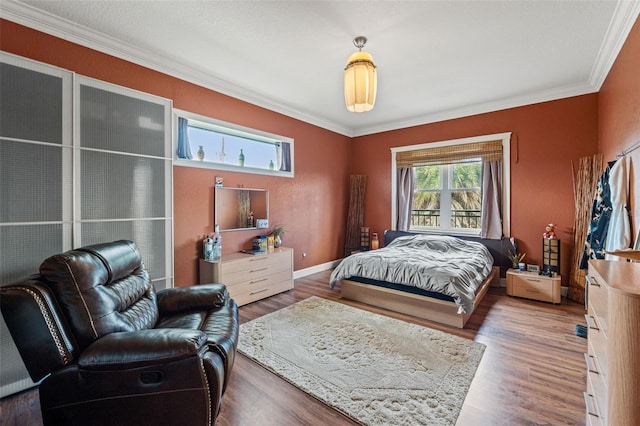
{"points": [[251, 277], [613, 358], [533, 286]]}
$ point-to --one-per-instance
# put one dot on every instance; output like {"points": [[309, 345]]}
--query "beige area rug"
{"points": [[375, 369]]}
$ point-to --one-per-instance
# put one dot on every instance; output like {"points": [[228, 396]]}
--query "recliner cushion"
{"points": [[96, 297]]}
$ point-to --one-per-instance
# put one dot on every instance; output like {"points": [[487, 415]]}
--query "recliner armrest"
{"points": [[132, 349], [202, 297]]}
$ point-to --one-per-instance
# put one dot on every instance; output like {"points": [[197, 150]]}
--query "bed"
{"points": [[439, 278]]}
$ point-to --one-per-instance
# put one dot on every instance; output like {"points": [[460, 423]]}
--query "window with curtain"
{"points": [[205, 142], [447, 196], [454, 187]]}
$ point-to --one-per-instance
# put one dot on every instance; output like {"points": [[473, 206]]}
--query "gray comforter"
{"points": [[440, 264]]}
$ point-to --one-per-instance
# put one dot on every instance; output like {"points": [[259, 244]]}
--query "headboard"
{"points": [[499, 249]]}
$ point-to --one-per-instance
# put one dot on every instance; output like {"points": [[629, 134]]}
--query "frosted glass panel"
{"points": [[118, 186], [31, 182], [14, 376], [24, 247], [161, 284], [149, 236], [121, 123], [30, 105]]}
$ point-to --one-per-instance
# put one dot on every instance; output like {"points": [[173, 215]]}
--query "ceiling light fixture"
{"points": [[360, 79]]}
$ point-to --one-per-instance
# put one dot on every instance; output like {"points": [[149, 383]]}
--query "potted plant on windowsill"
{"points": [[278, 232]]}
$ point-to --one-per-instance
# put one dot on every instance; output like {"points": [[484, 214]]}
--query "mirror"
{"points": [[240, 208]]}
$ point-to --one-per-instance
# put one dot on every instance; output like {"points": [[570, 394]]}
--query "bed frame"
{"points": [[441, 311]]}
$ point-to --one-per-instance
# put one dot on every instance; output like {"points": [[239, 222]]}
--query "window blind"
{"points": [[484, 151]]}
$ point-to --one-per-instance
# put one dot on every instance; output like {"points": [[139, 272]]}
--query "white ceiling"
{"points": [[436, 59]]}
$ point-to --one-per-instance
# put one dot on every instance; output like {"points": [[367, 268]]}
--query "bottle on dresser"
{"points": [[217, 243]]}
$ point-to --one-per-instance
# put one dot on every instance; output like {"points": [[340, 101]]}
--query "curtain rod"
{"points": [[628, 150]]}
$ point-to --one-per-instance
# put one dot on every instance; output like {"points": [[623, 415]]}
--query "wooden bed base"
{"points": [[441, 311]]}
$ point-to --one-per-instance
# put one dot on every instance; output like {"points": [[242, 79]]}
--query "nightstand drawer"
{"points": [[533, 286]]}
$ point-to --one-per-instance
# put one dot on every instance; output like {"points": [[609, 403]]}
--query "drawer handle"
{"points": [[591, 366], [256, 259], [532, 280], [257, 281], [591, 408], [532, 290], [591, 322], [258, 291], [592, 281], [259, 269]]}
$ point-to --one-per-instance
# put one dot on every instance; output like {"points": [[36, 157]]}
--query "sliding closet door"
{"points": [[123, 172], [35, 182], [107, 177]]}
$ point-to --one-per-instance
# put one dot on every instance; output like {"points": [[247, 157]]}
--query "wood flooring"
{"points": [[532, 371]]}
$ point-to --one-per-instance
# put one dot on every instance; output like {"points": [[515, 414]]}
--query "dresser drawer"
{"points": [[533, 286], [258, 282], [596, 385], [256, 270], [597, 297], [597, 343], [594, 418], [260, 292], [247, 262]]}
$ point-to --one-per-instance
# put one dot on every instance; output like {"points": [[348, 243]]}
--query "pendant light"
{"points": [[360, 79]]}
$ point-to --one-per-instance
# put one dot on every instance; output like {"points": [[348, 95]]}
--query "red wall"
{"points": [[546, 139], [619, 112], [312, 206]]}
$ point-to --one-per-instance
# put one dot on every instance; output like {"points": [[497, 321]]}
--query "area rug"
{"points": [[375, 369]]}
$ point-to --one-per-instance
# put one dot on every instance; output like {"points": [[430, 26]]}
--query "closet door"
{"points": [[35, 182], [64, 186], [123, 172]]}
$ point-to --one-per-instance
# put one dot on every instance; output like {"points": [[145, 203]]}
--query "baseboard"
{"points": [[314, 269], [499, 283]]}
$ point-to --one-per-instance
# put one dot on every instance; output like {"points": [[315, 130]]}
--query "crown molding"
{"points": [[623, 19], [480, 108], [47, 23]]}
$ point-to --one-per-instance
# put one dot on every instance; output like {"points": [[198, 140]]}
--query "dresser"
{"points": [[533, 286], [613, 358], [251, 277]]}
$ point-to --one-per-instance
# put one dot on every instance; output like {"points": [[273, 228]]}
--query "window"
{"points": [[438, 187], [447, 196], [205, 142]]}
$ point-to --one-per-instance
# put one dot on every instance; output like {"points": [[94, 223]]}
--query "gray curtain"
{"points": [[491, 200], [285, 159], [183, 150], [404, 197]]}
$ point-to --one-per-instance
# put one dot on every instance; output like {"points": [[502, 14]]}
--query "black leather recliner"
{"points": [[111, 350]]}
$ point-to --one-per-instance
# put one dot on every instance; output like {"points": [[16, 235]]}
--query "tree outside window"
{"points": [[447, 196]]}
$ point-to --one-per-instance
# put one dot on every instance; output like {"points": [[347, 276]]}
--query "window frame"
{"points": [[446, 190], [505, 138], [213, 124]]}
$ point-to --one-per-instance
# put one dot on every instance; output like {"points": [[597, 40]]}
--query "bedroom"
{"points": [[549, 135]]}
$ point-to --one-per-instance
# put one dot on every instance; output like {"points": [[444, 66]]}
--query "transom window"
{"points": [[205, 142]]}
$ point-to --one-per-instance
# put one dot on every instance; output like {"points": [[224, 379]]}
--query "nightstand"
{"points": [[530, 285]]}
